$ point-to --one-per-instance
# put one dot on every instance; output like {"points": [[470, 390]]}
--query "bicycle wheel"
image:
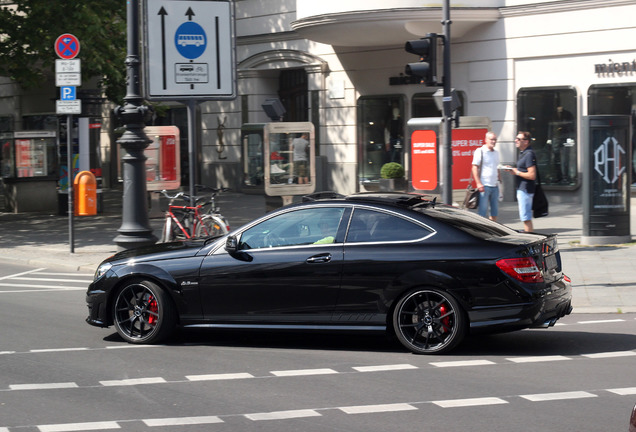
{"points": [[210, 226]]}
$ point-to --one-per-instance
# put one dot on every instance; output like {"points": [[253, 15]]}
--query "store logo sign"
{"points": [[607, 160], [615, 68]]}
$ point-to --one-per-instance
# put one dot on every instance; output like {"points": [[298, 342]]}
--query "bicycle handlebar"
{"points": [[200, 200]]}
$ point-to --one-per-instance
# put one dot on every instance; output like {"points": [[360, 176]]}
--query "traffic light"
{"points": [[426, 69]]}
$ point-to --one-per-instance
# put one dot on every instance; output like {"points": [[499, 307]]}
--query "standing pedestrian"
{"points": [[525, 175], [486, 175]]}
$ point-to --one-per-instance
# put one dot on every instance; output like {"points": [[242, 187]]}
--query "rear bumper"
{"points": [[541, 312]]}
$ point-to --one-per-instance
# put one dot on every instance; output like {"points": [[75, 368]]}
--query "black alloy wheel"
{"points": [[429, 321], [143, 312]]}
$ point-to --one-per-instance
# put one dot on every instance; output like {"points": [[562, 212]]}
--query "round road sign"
{"points": [[67, 46]]}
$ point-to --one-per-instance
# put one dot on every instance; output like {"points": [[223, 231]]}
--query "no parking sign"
{"points": [[67, 46]]}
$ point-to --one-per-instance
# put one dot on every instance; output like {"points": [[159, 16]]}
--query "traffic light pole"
{"points": [[447, 149]]}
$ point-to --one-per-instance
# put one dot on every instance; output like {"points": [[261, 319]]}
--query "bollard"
{"points": [[85, 187]]}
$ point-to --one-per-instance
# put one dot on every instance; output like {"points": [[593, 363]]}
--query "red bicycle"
{"points": [[201, 220]]}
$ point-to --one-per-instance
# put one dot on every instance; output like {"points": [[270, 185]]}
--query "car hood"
{"points": [[161, 251]]}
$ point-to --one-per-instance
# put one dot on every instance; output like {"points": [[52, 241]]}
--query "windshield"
{"points": [[468, 222]]}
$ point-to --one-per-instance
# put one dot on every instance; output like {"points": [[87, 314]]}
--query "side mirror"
{"points": [[231, 244]]}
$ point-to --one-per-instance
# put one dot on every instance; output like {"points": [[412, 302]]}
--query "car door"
{"points": [[286, 270], [381, 248]]}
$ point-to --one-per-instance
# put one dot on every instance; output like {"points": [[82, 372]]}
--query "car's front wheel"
{"points": [[143, 312], [429, 321]]}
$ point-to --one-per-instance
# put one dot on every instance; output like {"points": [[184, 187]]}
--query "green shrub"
{"points": [[392, 170]]}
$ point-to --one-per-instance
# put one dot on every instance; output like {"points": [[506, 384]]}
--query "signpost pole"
{"points": [[69, 175], [192, 147]]}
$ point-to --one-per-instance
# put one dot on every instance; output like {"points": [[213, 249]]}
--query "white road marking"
{"points": [[215, 377], [20, 274], [48, 350], [303, 372], [314, 412], [181, 421], [71, 427], [558, 396], [462, 363], [536, 359], [66, 274], [283, 415], [40, 288], [46, 386], [627, 391], [611, 354], [456, 403], [601, 321], [384, 368], [133, 382], [87, 281], [368, 409]]}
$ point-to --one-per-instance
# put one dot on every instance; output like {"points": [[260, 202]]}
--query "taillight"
{"points": [[522, 269]]}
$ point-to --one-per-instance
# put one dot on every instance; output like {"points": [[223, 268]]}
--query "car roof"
{"points": [[396, 199]]}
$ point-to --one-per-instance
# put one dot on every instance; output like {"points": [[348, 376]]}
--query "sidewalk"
{"points": [[603, 277]]}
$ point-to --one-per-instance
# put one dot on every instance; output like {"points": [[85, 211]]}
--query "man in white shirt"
{"points": [[486, 175]]}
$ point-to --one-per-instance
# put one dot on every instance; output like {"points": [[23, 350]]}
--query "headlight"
{"points": [[101, 270]]}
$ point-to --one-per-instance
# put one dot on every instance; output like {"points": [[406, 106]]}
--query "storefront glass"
{"points": [[616, 100], [550, 115], [380, 134]]}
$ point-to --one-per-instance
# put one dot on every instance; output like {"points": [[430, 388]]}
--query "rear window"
{"points": [[468, 222]]}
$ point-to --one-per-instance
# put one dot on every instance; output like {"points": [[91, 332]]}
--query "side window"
{"points": [[301, 227], [374, 226]]}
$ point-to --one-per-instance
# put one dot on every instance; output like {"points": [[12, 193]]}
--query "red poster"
{"points": [[424, 160], [464, 144], [168, 157]]}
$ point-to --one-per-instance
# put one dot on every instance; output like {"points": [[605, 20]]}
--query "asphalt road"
{"points": [[59, 374]]}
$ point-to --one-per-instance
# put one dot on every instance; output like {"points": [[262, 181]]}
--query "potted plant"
{"points": [[392, 177]]}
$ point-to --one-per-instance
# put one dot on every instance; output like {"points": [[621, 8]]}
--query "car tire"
{"points": [[429, 321], [143, 313]]}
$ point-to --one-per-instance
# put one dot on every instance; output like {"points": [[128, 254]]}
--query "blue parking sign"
{"points": [[67, 93]]}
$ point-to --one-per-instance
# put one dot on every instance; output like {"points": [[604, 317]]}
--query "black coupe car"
{"points": [[429, 273]]}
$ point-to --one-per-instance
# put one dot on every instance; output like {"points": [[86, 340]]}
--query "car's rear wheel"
{"points": [[143, 312], [429, 321]]}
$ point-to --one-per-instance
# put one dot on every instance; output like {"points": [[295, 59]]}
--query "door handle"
{"points": [[319, 259]]}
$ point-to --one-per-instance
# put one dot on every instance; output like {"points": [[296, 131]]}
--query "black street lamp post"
{"points": [[135, 230]]}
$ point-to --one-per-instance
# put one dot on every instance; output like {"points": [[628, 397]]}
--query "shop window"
{"points": [[550, 115], [6, 124], [294, 95], [39, 122], [380, 134], [615, 100]]}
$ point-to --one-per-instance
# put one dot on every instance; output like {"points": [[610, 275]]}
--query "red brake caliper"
{"points": [[445, 320], [154, 308]]}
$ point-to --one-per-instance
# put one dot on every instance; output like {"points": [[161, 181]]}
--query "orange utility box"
{"points": [[85, 187]]}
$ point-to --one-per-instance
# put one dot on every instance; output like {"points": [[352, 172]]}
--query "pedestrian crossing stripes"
{"points": [[39, 280]]}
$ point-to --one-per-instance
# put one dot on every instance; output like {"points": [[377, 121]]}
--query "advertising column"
{"points": [[607, 180]]}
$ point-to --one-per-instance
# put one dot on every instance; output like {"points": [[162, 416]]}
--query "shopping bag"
{"points": [[471, 201], [539, 203]]}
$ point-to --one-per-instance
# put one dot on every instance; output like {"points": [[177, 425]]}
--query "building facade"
{"points": [[541, 66]]}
